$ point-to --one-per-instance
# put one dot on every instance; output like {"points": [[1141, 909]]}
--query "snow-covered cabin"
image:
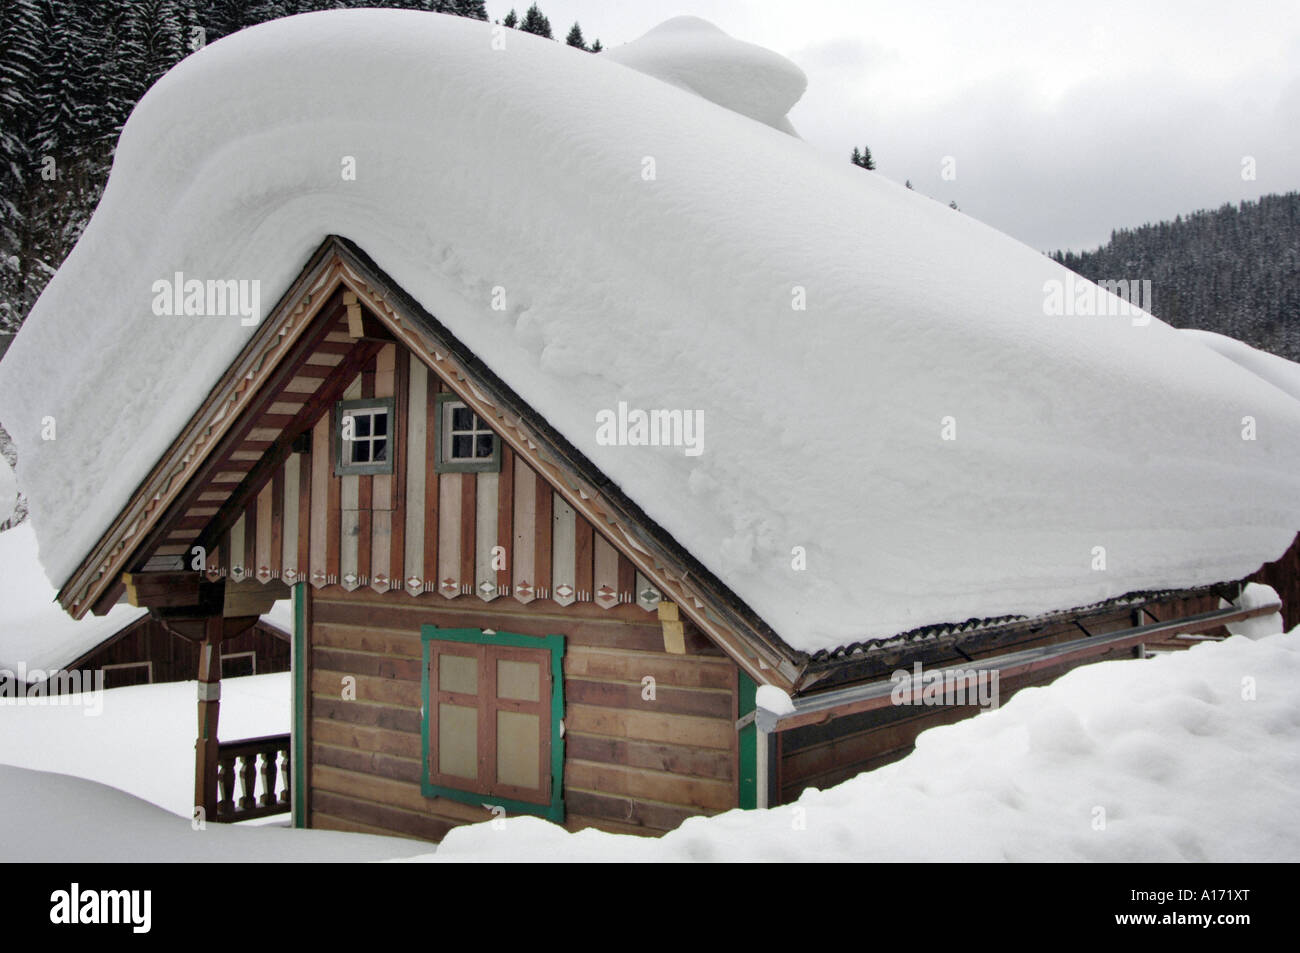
{"points": [[579, 403]]}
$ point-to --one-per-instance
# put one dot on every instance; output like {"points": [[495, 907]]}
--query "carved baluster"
{"points": [[268, 778], [283, 755], [225, 785], [247, 764]]}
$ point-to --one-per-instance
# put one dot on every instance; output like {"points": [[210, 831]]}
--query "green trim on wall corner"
{"points": [[748, 741], [298, 662], [554, 811]]}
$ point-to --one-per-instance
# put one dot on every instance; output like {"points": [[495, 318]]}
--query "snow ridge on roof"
{"points": [[827, 323]]}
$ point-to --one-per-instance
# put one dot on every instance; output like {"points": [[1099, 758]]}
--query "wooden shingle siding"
{"points": [[633, 763]]}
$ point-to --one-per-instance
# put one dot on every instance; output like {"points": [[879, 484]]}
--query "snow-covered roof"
{"points": [[655, 248], [35, 632]]}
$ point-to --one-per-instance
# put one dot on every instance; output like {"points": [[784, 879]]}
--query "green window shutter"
{"points": [[469, 793]]}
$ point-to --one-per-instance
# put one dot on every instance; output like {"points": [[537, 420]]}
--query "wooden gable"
{"points": [[252, 482], [271, 505]]}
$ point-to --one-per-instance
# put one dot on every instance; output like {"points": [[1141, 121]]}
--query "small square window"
{"points": [[361, 429], [465, 442]]}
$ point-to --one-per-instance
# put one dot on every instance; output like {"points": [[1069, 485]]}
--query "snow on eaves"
{"points": [[656, 249]]}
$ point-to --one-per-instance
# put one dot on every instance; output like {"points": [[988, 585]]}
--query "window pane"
{"points": [[484, 448], [381, 423], [461, 448], [380, 451], [518, 749], [458, 673], [462, 418], [518, 680], [359, 452], [361, 425], [458, 741]]}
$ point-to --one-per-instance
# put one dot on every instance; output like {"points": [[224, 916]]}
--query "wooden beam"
{"points": [[252, 598], [674, 629]]}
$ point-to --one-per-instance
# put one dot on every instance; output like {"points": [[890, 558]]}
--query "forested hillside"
{"points": [[1235, 270], [70, 73]]}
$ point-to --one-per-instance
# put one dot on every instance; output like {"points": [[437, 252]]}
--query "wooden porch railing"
{"points": [[259, 768]]}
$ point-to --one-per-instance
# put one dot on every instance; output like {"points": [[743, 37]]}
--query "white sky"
{"points": [[1066, 119]]}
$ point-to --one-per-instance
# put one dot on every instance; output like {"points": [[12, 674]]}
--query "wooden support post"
{"points": [[206, 748]]}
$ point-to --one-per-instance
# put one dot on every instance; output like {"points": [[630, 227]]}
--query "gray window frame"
{"points": [[490, 464], [343, 468]]}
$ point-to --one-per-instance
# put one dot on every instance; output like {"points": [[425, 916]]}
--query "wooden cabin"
{"points": [[483, 621]]}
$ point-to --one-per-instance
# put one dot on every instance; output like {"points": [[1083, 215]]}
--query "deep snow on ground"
{"points": [[1166, 759], [53, 818], [657, 249], [143, 741]]}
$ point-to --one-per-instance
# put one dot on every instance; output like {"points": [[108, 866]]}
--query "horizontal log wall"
{"points": [[632, 765]]}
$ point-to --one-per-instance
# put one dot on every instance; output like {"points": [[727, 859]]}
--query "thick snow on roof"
{"points": [[656, 249], [34, 630], [695, 55], [1278, 371]]}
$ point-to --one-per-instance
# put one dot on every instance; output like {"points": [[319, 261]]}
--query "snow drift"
{"points": [[1192, 756], [658, 249]]}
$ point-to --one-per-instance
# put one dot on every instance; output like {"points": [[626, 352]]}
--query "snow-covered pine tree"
{"points": [[535, 22], [575, 37], [862, 158]]}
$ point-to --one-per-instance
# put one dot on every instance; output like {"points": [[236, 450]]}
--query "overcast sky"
{"points": [[1065, 119]]}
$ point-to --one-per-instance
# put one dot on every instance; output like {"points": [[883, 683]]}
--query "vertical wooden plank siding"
{"points": [[563, 548], [379, 570], [583, 557], [485, 531], [605, 579], [289, 538], [505, 519], [276, 517], [449, 523], [262, 552], [320, 494], [416, 422], [523, 586], [542, 539], [238, 566]]}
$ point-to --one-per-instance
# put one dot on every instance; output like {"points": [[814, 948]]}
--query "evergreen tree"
{"points": [[862, 159], [596, 47], [511, 20], [535, 22], [575, 37]]}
